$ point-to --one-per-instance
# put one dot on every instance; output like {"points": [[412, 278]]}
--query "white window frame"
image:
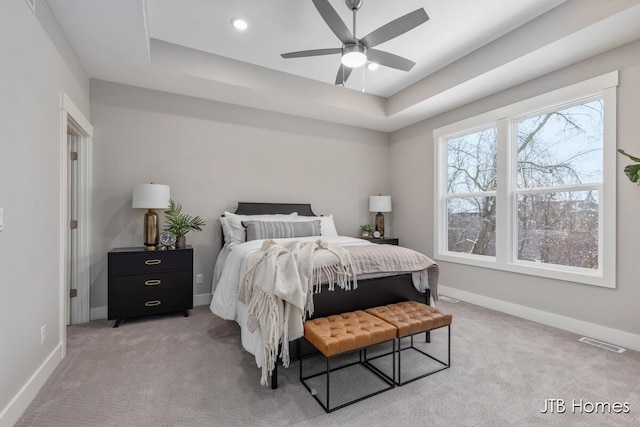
{"points": [[603, 86]]}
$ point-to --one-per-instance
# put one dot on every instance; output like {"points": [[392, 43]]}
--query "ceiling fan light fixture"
{"points": [[239, 24], [372, 66], [354, 56]]}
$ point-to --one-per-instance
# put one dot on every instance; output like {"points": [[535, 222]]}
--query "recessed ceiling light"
{"points": [[239, 24], [373, 66]]}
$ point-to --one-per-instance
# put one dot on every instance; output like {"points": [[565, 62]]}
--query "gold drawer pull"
{"points": [[152, 303], [154, 282], [153, 261]]}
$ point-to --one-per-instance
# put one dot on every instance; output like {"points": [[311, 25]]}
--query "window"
{"points": [[530, 187], [471, 192]]}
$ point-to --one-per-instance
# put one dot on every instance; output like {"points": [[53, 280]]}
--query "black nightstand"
{"points": [[385, 241], [145, 282]]}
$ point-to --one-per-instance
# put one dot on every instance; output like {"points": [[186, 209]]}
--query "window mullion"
{"points": [[503, 197]]}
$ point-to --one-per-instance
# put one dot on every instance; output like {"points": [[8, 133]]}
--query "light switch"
{"points": [[1, 221]]}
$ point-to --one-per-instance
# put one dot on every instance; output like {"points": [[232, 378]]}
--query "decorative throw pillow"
{"points": [[258, 230], [237, 230], [327, 226]]}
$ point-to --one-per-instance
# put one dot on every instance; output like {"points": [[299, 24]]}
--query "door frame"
{"points": [[72, 117]]}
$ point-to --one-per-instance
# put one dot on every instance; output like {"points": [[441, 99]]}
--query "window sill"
{"points": [[551, 271]]}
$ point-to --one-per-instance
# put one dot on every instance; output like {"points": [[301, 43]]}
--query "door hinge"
{"points": [[73, 224], [73, 293], [74, 155]]}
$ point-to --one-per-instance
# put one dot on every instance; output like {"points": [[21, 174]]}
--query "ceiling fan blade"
{"points": [[395, 28], [314, 52], [390, 60], [334, 22], [343, 74]]}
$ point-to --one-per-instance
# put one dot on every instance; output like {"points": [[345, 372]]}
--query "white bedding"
{"points": [[231, 267]]}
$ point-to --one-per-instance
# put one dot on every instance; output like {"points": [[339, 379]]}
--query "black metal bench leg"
{"points": [[449, 346], [328, 380]]}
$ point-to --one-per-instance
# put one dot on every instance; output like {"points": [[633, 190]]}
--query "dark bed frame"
{"points": [[369, 293]]}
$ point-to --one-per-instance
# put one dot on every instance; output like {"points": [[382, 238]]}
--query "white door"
{"points": [[72, 209]]}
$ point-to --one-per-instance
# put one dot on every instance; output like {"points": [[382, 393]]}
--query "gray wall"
{"points": [[412, 188], [214, 155], [32, 76]]}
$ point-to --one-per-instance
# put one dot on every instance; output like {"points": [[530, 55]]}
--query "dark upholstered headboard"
{"points": [[250, 208]]}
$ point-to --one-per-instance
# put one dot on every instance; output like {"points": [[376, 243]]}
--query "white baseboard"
{"points": [[202, 299], [101, 312], [16, 407], [98, 313], [591, 330]]}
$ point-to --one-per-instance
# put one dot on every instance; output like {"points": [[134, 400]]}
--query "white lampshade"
{"points": [[380, 204], [151, 196]]}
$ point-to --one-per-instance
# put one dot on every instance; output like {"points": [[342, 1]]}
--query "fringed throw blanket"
{"points": [[371, 259], [278, 289]]}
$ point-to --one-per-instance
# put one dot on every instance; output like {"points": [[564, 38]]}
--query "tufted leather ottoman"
{"points": [[347, 332], [411, 318]]}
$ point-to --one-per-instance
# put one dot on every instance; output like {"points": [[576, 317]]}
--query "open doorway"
{"points": [[75, 259]]}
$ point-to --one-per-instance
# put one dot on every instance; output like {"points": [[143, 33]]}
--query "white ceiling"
{"points": [[189, 47], [278, 26]]}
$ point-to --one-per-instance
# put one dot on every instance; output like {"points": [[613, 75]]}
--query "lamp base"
{"points": [[380, 223], [151, 235]]}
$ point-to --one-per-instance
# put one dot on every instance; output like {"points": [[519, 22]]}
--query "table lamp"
{"points": [[380, 204], [151, 196]]}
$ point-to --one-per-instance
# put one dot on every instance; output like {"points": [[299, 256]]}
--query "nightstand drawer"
{"points": [[148, 303], [150, 282], [149, 261]]}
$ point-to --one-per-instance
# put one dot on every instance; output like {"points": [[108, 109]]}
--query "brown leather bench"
{"points": [[411, 318], [344, 333]]}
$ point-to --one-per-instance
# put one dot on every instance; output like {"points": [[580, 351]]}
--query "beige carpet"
{"points": [[176, 371]]}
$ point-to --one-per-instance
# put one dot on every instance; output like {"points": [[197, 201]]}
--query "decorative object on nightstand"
{"points": [[142, 282], [180, 224], [366, 230], [167, 240], [380, 204], [151, 197]]}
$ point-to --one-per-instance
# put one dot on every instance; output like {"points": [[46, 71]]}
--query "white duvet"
{"points": [[231, 267]]}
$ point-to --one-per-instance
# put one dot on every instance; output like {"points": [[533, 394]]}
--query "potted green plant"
{"points": [[632, 171], [366, 230], [180, 224]]}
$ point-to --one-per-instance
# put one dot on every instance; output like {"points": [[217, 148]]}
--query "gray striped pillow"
{"points": [[280, 229]]}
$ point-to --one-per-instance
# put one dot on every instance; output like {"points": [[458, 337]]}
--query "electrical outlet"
{"points": [[43, 334], [199, 279]]}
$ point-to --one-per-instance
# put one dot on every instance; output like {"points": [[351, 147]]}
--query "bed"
{"points": [[232, 264]]}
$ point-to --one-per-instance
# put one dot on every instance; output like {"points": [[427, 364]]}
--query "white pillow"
{"points": [[227, 233], [238, 233], [327, 226]]}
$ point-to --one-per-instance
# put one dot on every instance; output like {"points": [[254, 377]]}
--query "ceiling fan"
{"points": [[356, 52]]}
